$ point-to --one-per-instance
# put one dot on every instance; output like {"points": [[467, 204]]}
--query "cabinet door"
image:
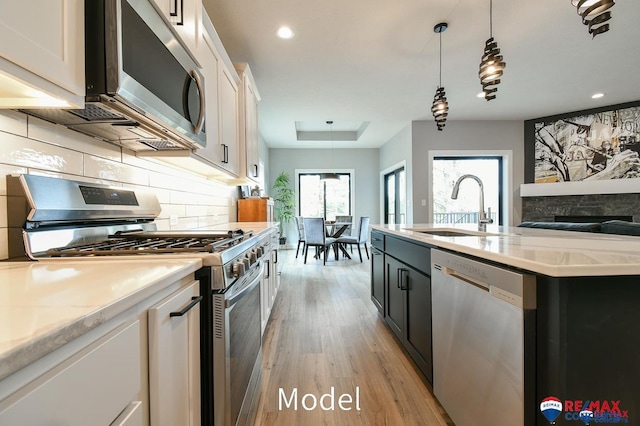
{"points": [[377, 279], [185, 18], [395, 296], [251, 132], [417, 333], [90, 388], [45, 39], [229, 118], [174, 359], [265, 293]]}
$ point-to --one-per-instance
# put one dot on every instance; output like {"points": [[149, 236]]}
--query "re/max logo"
{"points": [[598, 411]]}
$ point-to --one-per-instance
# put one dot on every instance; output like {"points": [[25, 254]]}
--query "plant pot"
{"points": [[283, 241]]}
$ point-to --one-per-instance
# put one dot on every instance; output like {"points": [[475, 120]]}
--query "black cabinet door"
{"points": [[377, 279], [417, 330], [395, 296]]}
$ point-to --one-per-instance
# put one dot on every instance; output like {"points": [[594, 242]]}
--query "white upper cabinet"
{"points": [[249, 133], [221, 89], [185, 17], [42, 53]]}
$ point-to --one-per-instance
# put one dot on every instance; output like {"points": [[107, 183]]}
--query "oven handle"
{"points": [[236, 297]]}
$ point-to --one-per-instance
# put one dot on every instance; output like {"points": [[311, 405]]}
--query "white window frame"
{"points": [[507, 176], [352, 177]]}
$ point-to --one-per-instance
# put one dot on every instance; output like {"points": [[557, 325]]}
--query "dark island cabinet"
{"points": [[377, 271], [407, 299], [377, 279]]}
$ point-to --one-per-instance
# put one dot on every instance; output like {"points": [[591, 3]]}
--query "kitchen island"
{"points": [[580, 336]]}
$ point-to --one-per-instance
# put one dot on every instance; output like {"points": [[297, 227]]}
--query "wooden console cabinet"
{"points": [[255, 210]]}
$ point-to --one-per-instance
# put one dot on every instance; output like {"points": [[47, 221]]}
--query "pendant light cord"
{"points": [[490, 18], [440, 85]]}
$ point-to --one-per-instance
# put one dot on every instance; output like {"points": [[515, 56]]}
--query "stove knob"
{"points": [[246, 262], [252, 257], [238, 268], [259, 252]]}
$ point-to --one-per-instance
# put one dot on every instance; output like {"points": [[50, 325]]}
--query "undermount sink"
{"points": [[450, 232]]}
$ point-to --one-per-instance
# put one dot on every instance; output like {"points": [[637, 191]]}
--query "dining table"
{"points": [[335, 230]]}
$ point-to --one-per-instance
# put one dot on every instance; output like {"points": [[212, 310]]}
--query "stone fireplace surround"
{"points": [[599, 206]]}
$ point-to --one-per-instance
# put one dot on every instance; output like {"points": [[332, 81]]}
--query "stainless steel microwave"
{"points": [[144, 90]]}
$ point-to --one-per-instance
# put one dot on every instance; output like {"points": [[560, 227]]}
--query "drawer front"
{"points": [[415, 255], [377, 240], [92, 387]]}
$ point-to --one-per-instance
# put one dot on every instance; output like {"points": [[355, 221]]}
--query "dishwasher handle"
{"points": [[469, 280]]}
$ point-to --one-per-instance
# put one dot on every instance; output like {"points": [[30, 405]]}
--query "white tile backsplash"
{"points": [[4, 244], [13, 122], [102, 168], [52, 150], [8, 170], [20, 151], [3, 211]]}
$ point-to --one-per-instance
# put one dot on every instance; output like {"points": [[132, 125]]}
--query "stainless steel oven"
{"points": [[53, 218], [237, 351]]}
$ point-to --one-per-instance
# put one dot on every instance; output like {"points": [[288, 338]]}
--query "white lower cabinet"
{"points": [[94, 386], [140, 368], [174, 359], [270, 281]]}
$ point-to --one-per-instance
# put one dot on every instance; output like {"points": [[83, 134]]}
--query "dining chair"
{"points": [[314, 233], [361, 238], [301, 239]]}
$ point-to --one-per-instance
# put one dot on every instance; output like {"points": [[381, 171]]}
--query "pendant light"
{"points": [[440, 107], [492, 66], [330, 175], [595, 14]]}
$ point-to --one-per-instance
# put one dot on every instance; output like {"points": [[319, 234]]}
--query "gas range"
{"points": [[56, 219]]}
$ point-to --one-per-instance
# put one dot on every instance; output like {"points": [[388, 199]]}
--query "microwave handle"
{"points": [[196, 76]]}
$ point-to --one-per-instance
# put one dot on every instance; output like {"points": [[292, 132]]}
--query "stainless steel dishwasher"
{"points": [[478, 339]]}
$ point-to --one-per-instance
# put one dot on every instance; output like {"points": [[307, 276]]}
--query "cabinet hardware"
{"points": [[276, 252], [255, 174], [174, 11], [225, 153], [266, 266], [402, 273], [194, 301]]}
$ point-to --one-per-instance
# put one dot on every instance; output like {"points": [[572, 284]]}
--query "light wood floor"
{"points": [[325, 332]]}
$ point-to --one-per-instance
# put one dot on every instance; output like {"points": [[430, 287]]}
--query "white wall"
{"points": [[364, 161], [465, 135], [397, 150], [33, 146]]}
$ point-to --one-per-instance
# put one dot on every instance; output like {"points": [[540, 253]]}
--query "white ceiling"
{"points": [[376, 61]]}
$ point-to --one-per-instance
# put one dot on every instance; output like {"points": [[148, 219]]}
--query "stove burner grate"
{"points": [[138, 244]]}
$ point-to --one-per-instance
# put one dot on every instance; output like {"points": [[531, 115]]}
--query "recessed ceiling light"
{"points": [[285, 33], [480, 95], [597, 95]]}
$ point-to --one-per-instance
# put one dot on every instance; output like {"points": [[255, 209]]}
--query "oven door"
{"points": [[237, 348], [149, 69]]}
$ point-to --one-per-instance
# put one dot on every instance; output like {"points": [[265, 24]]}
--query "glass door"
{"points": [[395, 202]]}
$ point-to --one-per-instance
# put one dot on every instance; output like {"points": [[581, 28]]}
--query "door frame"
{"points": [[383, 173]]}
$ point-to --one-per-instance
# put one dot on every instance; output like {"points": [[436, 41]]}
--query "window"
{"points": [[447, 170], [326, 199]]}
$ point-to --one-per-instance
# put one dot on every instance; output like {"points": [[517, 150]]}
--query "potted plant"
{"points": [[284, 202]]}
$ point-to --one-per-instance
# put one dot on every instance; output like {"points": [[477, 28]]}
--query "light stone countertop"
{"points": [[548, 252], [46, 304]]}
